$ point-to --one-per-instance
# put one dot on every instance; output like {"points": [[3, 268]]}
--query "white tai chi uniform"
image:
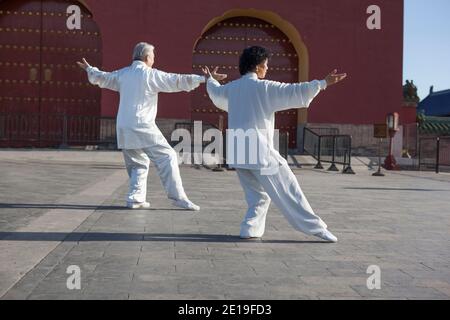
{"points": [[137, 134], [251, 105]]}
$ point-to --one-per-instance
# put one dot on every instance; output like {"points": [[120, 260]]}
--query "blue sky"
{"points": [[427, 44]]}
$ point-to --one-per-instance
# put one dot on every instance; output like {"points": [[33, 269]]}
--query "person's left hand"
{"points": [[83, 65], [334, 77], [214, 74]]}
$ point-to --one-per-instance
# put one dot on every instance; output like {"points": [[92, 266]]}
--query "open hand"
{"points": [[83, 65], [334, 77], [214, 74]]}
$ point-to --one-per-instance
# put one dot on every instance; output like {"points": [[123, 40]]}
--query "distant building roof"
{"points": [[436, 104], [434, 125]]}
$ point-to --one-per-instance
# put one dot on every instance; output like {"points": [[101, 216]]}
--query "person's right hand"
{"points": [[83, 65], [214, 74], [334, 78]]}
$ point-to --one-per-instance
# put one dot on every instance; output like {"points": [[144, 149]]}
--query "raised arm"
{"points": [[108, 80], [217, 92]]}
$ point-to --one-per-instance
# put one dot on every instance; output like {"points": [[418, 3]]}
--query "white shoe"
{"points": [[186, 204], [327, 236], [138, 205]]}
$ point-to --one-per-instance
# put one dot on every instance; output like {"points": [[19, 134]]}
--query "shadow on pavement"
{"points": [[75, 207], [150, 237], [395, 189]]}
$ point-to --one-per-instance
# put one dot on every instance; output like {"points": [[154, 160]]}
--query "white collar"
{"points": [[137, 62], [250, 75]]}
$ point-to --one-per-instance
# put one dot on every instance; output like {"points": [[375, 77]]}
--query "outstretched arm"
{"points": [[161, 81], [216, 92], [283, 96], [102, 79]]}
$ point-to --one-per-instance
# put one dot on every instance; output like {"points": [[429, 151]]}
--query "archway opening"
{"points": [[221, 44]]}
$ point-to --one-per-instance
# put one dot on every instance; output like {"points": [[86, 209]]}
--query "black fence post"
{"points": [[379, 173], [333, 158], [349, 169], [319, 164], [438, 145]]}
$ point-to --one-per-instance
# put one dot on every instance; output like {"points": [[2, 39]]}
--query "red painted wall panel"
{"points": [[334, 32]]}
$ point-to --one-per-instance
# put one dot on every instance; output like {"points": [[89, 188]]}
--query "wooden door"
{"points": [[20, 72], [57, 103], [68, 99]]}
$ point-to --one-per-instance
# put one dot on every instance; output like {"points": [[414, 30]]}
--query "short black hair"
{"points": [[251, 57]]}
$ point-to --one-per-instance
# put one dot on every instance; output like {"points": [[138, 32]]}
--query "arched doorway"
{"points": [[222, 44], [45, 98]]}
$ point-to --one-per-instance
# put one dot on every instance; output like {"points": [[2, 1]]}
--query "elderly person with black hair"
{"points": [[137, 134], [251, 104]]}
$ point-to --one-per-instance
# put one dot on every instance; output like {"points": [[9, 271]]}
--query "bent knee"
{"points": [[169, 157]]}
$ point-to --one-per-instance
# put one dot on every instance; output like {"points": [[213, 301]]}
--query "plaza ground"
{"points": [[65, 208]]}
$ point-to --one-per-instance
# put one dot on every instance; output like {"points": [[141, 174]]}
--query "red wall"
{"points": [[334, 32]]}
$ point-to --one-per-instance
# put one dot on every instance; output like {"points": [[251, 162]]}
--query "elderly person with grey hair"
{"points": [[137, 133]]}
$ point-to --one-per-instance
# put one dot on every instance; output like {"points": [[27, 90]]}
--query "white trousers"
{"points": [[283, 189], [137, 162]]}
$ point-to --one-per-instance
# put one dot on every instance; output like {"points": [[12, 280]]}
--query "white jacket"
{"points": [[139, 86], [251, 105]]}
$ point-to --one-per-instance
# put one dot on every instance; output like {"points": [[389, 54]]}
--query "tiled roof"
{"points": [[436, 104], [435, 125]]}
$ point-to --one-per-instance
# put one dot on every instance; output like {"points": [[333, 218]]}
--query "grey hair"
{"points": [[142, 50]]}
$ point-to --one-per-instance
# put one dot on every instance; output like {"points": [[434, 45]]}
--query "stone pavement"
{"points": [[67, 209]]}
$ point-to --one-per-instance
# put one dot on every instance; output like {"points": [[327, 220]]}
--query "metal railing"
{"points": [[334, 149], [325, 131], [434, 153], [56, 130]]}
